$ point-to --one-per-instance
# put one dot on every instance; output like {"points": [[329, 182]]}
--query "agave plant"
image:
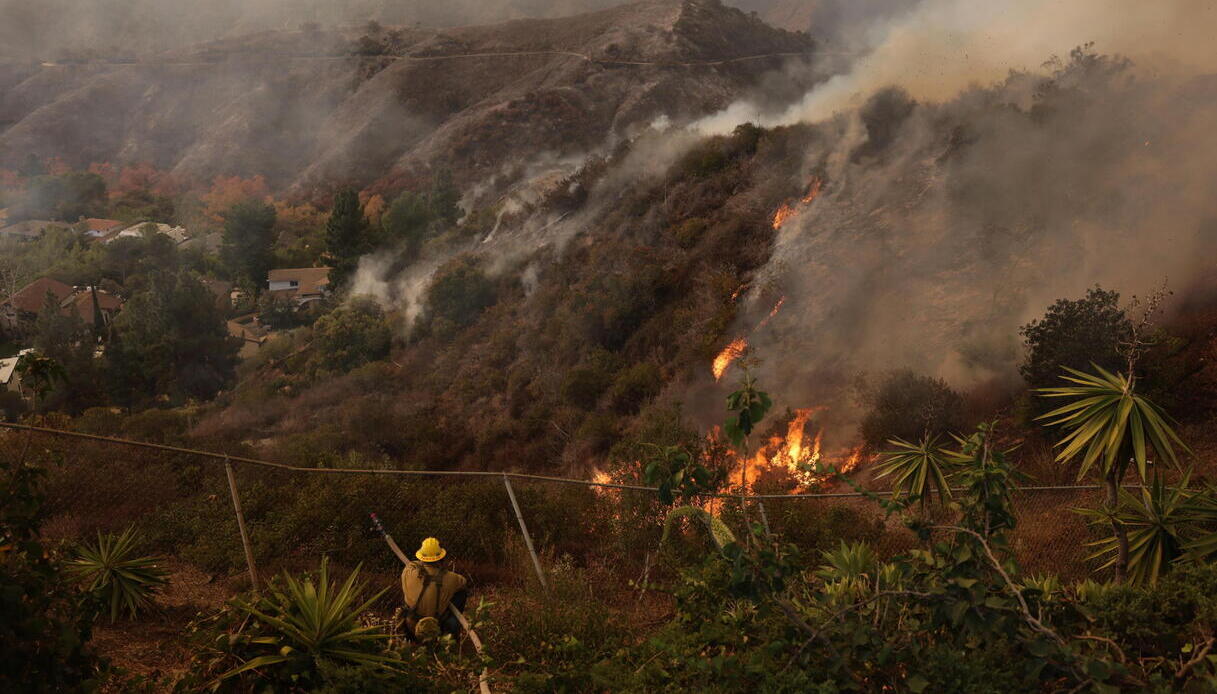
{"points": [[115, 573], [1156, 525], [918, 468], [1109, 424], [302, 623], [719, 533]]}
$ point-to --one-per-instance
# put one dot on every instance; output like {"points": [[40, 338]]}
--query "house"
{"points": [[9, 378], [29, 230], [99, 229], [303, 285], [19, 311], [177, 234], [81, 304]]}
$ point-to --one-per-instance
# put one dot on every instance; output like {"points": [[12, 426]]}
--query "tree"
{"points": [[1075, 334], [65, 339], [170, 340], [347, 236], [248, 250], [407, 222], [1111, 426], [910, 407], [352, 335], [444, 199], [40, 372]]}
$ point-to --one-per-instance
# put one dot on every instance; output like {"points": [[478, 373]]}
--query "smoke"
{"points": [[941, 228], [45, 29], [940, 47]]}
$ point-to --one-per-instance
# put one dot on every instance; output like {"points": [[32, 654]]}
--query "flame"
{"points": [[783, 215], [772, 313], [797, 452], [788, 210], [813, 190], [729, 354], [735, 294], [601, 477]]}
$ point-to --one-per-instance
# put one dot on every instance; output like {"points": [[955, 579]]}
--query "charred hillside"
{"points": [[310, 108]]}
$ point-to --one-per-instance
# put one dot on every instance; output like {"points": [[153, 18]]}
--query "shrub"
{"points": [[45, 624], [283, 639], [1074, 333], [909, 406], [116, 575], [634, 387], [351, 335], [460, 292]]}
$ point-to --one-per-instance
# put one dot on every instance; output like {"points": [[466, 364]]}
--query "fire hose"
{"points": [[483, 679]]}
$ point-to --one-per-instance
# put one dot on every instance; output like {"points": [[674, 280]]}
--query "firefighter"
{"points": [[429, 589]]}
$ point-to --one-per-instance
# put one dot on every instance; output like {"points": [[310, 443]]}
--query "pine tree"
{"points": [[249, 237], [347, 236]]}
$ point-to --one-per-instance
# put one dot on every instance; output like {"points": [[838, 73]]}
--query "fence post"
{"points": [[515, 505], [236, 505]]}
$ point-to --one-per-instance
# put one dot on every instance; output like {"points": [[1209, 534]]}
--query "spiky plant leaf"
{"points": [[918, 469], [113, 570], [1156, 524], [310, 621], [1109, 423]]}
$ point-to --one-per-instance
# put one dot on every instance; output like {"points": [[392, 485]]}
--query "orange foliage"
{"points": [[227, 191], [374, 208]]}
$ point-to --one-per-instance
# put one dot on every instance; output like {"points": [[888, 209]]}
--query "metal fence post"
{"points": [[236, 505], [515, 505]]}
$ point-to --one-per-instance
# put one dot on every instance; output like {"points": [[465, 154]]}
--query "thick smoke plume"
{"points": [[941, 228]]}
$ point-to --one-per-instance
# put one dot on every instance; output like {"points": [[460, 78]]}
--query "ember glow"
{"points": [[729, 354], [772, 313], [784, 213]]}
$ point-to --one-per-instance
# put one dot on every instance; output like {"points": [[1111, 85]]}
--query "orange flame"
{"points": [[601, 477], [788, 210], [729, 354], [783, 215], [772, 313], [797, 453]]}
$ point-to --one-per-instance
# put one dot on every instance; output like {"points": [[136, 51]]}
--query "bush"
{"points": [[1074, 334], [351, 335], [460, 292], [634, 387], [45, 624], [907, 405]]}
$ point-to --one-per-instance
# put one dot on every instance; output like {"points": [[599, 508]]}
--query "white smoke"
{"points": [[941, 47]]}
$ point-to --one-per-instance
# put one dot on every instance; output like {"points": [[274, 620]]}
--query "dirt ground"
{"points": [[155, 647]]}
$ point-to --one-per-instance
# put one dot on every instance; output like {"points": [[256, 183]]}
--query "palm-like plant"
{"points": [[114, 572], [1202, 514], [306, 622], [1155, 524], [918, 468], [1111, 426]]}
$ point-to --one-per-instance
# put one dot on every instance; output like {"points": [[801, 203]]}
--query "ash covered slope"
{"points": [[299, 108]]}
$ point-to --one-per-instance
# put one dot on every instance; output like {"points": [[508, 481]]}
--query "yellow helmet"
{"points": [[430, 551]]}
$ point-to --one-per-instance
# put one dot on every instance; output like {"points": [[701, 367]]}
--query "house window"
{"points": [[294, 283]]}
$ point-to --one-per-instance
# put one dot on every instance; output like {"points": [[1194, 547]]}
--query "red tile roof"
{"points": [[32, 296]]}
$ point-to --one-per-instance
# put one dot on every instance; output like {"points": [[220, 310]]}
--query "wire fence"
{"points": [[248, 519]]}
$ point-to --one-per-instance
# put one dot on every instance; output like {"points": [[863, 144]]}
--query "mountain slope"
{"points": [[302, 109]]}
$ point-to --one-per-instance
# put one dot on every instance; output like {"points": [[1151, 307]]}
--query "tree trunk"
{"points": [[1112, 484]]}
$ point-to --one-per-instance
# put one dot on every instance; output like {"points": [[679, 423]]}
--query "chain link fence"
{"points": [[182, 502]]}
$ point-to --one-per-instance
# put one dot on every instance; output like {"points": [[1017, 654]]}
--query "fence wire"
{"points": [[183, 506]]}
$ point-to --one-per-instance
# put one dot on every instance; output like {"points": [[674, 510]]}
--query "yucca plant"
{"points": [[117, 574], [1202, 514], [1112, 427], [919, 469], [1156, 524], [302, 623]]}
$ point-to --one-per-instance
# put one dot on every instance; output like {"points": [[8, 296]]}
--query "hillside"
{"points": [[305, 110]]}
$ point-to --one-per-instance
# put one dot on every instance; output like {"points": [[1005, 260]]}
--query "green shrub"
{"points": [[459, 292], [45, 625], [351, 335], [1074, 333], [635, 386]]}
